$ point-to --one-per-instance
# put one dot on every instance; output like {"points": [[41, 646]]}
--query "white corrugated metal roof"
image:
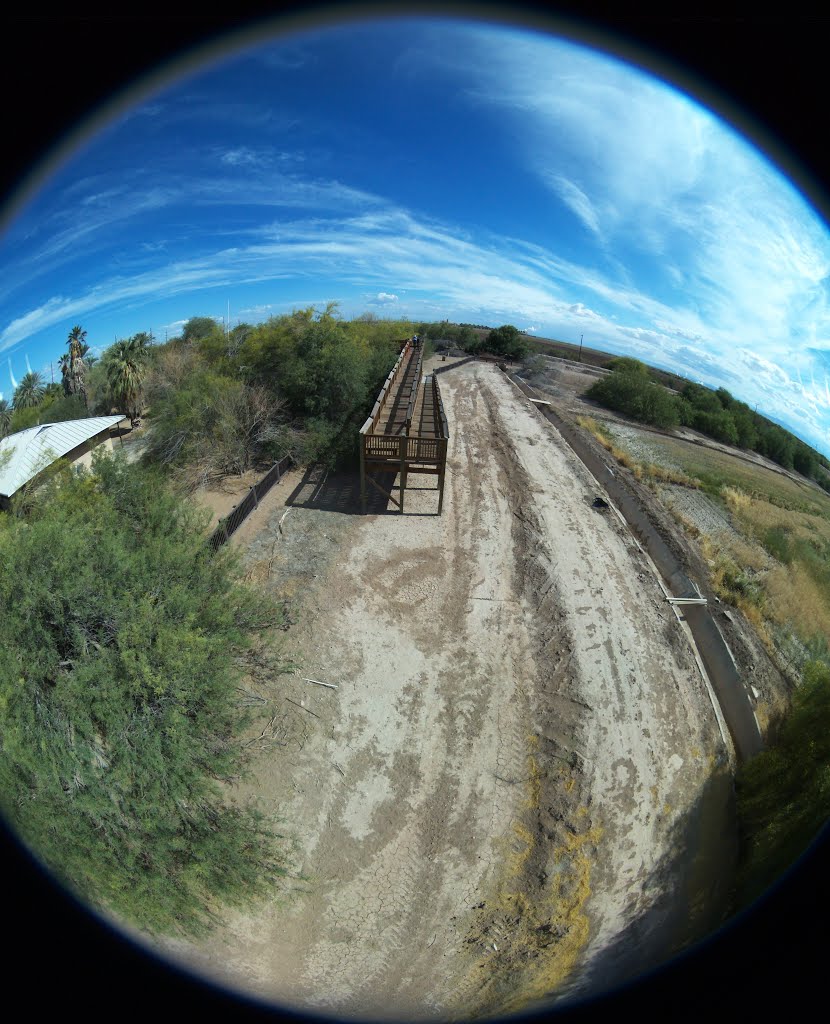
{"points": [[34, 449]]}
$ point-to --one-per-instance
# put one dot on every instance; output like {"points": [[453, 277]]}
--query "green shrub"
{"points": [[625, 364], [718, 425], [784, 792], [635, 395], [120, 640], [776, 540]]}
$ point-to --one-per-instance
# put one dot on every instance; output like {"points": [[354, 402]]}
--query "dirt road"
{"points": [[517, 787]]}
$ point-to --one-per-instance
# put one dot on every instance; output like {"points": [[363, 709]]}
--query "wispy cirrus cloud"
{"points": [[657, 231], [575, 199], [443, 269], [242, 156], [664, 178]]}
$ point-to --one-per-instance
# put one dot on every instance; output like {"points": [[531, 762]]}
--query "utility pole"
{"points": [[580, 346]]}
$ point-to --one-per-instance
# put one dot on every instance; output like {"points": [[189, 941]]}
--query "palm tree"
{"points": [[30, 391], [125, 372], [5, 417], [77, 342], [66, 379], [77, 350]]}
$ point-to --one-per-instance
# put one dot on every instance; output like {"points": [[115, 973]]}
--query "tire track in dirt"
{"points": [[448, 802], [645, 738]]}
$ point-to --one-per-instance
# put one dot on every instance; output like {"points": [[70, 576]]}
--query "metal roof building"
{"points": [[28, 452]]}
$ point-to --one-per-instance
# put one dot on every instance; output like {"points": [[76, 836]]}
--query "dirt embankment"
{"points": [[518, 786], [767, 685]]}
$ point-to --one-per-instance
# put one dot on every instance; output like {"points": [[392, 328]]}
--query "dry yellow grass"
{"points": [[539, 936], [773, 515], [745, 553], [788, 595], [666, 475], [648, 471], [795, 600], [688, 526], [736, 500], [759, 516]]}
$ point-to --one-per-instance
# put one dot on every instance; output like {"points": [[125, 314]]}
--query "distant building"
{"points": [[26, 454]]}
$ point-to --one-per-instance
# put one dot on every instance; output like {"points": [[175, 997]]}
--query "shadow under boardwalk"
{"points": [[339, 491]]}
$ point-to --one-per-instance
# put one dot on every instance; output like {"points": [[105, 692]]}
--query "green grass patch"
{"points": [[778, 542]]}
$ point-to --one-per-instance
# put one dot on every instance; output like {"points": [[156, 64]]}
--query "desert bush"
{"points": [[206, 425], [536, 366], [326, 371], [636, 396], [505, 341], [625, 364]]}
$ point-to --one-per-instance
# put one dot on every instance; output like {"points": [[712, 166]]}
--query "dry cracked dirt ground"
{"points": [[518, 790]]}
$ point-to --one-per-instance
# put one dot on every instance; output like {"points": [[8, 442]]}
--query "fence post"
{"points": [[442, 468], [363, 473], [403, 443]]}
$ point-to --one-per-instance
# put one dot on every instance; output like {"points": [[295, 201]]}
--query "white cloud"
{"points": [[576, 200], [242, 156], [741, 263], [580, 310], [257, 312], [654, 171]]}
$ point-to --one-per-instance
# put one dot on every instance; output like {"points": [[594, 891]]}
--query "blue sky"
{"points": [[431, 169]]}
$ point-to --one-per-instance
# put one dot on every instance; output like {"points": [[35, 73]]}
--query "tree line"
{"points": [[217, 401], [300, 384], [506, 341], [630, 388]]}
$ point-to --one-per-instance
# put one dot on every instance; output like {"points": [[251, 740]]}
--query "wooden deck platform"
{"points": [[407, 430]]}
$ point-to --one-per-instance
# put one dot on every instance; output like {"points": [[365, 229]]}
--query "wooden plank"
{"points": [[386, 493]]}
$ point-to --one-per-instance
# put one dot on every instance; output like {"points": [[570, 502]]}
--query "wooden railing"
{"points": [[415, 447], [404, 451], [231, 523], [439, 403], [388, 385], [410, 409]]}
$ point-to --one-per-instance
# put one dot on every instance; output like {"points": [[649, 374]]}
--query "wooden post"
{"points": [[441, 470], [403, 443], [363, 473]]}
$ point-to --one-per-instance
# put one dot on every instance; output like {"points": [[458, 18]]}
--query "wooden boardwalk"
{"points": [[407, 430]]}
